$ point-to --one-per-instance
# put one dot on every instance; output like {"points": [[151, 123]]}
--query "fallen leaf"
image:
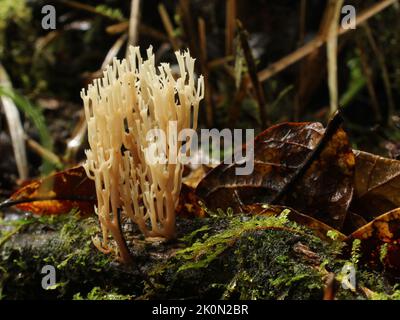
{"points": [[353, 222], [300, 165], [377, 185], [192, 176], [56, 194], [63, 191], [380, 242], [188, 205]]}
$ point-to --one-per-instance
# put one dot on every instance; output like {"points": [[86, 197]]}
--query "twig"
{"points": [[230, 18], [252, 69], [329, 290], [385, 74], [317, 42], [15, 127], [332, 42], [302, 21], [189, 27], [366, 69], [84, 7], [114, 50], [168, 26], [133, 24], [332, 127], [44, 153], [205, 72], [234, 110], [219, 62], [75, 142], [143, 29], [120, 26]]}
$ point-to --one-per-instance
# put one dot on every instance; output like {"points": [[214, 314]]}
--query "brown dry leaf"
{"points": [[63, 191], [296, 164], [188, 205], [380, 242], [57, 194], [319, 228], [377, 185], [192, 177], [353, 222]]}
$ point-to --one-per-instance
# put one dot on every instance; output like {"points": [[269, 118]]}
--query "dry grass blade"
{"points": [[44, 153], [114, 50], [15, 127], [133, 24], [385, 73], [252, 69], [205, 72], [230, 26], [366, 68], [189, 26], [143, 29], [332, 43], [302, 21], [76, 140], [168, 26], [317, 42], [111, 54]]}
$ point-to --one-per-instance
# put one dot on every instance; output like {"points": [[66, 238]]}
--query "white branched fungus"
{"points": [[132, 98]]}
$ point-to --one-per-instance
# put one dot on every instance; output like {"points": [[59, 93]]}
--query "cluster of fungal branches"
{"points": [[133, 98]]}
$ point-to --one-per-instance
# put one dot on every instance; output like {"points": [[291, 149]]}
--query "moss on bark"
{"points": [[224, 257]]}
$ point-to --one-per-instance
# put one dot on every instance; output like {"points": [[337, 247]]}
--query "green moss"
{"points": [[15, 11], [257, 258], [98, 294], [65, 243], [384, 296], [201, 254], [220, 257], [355, 252]]}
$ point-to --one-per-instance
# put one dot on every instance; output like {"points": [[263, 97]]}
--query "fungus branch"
{"points": [[133, 98]]}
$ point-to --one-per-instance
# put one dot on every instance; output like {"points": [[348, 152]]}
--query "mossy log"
{"points": [[224, 257]]}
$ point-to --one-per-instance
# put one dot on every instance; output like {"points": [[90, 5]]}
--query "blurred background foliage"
{"points": [[48, 68]]}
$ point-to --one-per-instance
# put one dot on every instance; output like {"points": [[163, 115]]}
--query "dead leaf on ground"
{"points": [[296, 164], [193, 176], [56, 194], [377, 185], [63, 191], [380, 242], [353, 222], [188, 205]]}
